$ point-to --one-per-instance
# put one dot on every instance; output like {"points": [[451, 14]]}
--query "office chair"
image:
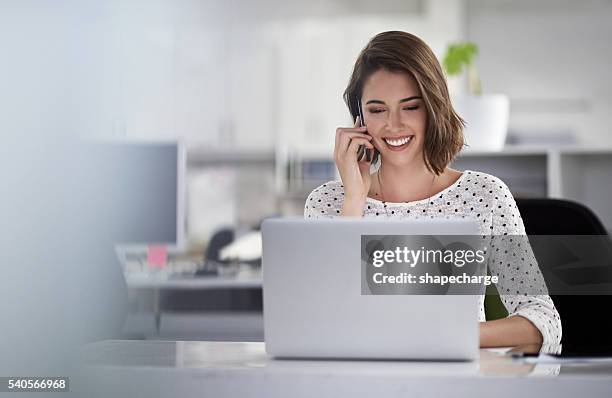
{"points": [[583, 317]]}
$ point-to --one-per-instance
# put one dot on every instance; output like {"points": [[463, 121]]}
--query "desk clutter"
{"points": [[223, 256], [157, 261]]}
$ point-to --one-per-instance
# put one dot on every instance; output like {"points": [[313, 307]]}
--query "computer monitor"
{"points": [[146, 192]]}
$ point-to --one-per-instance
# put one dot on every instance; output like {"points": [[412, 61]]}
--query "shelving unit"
{"points": [[199, 157], [582, 174]]}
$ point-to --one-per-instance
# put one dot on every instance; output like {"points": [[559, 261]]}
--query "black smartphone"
{"points": [[363, 152], [527, 350]]}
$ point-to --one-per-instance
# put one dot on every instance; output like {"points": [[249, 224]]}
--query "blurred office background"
{"points": [[252, 89]]}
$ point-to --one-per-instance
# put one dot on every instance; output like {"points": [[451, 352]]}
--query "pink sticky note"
{"points": [[157, 255]]}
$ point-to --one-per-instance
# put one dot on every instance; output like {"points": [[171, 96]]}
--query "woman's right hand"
{"points": [[355, 175]]}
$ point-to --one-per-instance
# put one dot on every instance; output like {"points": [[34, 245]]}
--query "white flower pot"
{"points": [[486, 118]]}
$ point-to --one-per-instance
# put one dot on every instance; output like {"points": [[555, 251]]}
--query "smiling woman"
{"points": [[409, 120], [399, 80]]}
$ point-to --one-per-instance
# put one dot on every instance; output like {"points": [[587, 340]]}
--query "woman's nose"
{"points": [[395, 121]]}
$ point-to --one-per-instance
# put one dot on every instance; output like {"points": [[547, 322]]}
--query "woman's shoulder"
{"points": [[496, 190], [487, 191], [330, 188], [325, 200], [476, 175], [486, 182], [495, 197]]}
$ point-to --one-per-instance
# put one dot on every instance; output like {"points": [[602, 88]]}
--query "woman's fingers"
{"points": [[356, 142], [349, 145], [345, 138], [342, 131], [362, 141], [348, 142]]}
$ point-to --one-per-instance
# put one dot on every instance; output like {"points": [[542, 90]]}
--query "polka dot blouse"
{"points": [[488, 200]]}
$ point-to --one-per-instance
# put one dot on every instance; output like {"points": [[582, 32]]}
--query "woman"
{"points": [[409, 120]]}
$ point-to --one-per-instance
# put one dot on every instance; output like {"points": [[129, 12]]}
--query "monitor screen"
{"points": [[146, 191]]}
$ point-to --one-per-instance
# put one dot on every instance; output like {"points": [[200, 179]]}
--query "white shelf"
{"points": [[206, 157], [539, 150]]}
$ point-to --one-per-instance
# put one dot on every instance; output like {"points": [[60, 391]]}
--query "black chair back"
{"points": [[584, 318]]}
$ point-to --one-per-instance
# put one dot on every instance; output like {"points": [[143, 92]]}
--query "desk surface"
{"points": [[220, 369]]}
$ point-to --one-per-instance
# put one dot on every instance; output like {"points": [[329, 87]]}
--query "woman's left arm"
{"points": [[533, 317], [512, 331]]}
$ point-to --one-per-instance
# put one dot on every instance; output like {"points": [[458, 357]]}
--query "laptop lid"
{"points": [[313, 302]]}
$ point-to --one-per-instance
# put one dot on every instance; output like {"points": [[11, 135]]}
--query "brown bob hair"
{"points": [[403, 52]]}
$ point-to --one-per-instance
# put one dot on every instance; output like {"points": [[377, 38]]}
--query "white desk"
{"points": [[221, 369]]}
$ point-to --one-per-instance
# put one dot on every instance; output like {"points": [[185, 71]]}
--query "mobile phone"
{"points": [[362, 152], [527, 350]]}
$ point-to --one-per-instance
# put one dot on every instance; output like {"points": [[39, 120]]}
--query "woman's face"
{"points": [[395, 115]]}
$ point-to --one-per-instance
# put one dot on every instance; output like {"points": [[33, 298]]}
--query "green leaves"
{"points": [[459, 55]]}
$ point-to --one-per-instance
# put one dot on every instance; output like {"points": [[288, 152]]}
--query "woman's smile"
{"points": [[398, 144]]}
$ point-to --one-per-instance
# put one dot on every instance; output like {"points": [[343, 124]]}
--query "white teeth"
{"points": [[398, 142]]}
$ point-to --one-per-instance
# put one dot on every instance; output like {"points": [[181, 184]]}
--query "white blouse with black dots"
{"points": [[488, 200]]}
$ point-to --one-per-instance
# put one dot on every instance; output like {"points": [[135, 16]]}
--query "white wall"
{"points": [[236, 75], [226, 73], [552, 57], [316, 57], [229, 75]]}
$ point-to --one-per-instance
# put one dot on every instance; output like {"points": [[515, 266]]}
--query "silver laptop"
{"points": [[313, 306]]}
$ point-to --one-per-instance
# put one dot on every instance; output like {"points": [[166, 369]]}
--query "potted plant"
{"points": [[487, 115]]}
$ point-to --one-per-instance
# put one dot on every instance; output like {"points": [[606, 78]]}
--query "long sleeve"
{"points": [[521, 285]]}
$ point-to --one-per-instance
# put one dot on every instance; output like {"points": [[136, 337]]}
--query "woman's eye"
{"points": [[408, 108]]}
